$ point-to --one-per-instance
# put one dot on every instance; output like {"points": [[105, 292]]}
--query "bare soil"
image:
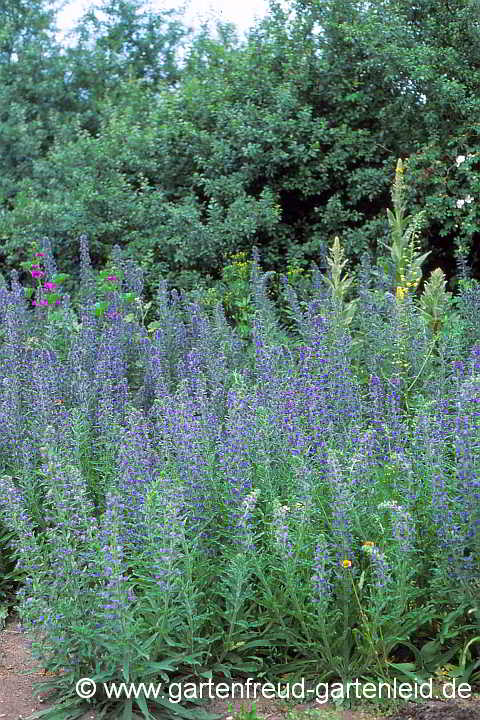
{"points": [[17, 699], [16, 692], [438, 710]]}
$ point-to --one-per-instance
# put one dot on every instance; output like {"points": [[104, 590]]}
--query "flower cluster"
{"points": [[461, 158], [402, 527], [461, 201], [379, 563], [46, 294], [322, 586], [244, 521], [280, 528], [407, 285]]}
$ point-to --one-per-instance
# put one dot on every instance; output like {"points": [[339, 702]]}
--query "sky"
{"points": [[239, 12]]}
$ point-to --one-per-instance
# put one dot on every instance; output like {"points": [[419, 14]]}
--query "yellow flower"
{"points": [[368, 543], [347, 563], [400, 293]]}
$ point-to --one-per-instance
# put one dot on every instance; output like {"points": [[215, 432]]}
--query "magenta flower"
{"points": [[39, 254], [57, 302], [40, 302], [37, 273], [112, 278], [50, 286]]}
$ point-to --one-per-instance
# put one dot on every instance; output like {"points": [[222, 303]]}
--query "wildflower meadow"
{"points": [[279, 483]]}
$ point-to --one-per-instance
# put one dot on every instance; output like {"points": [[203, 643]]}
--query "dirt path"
{"points": [[17, 700], [16, 691]]}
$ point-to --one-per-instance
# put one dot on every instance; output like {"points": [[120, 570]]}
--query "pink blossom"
{"points": [[37, 273], [39, 254], [50, 286], [112, 278]]}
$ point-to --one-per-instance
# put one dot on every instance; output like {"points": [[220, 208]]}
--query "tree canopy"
{"points": [[183, 148]]}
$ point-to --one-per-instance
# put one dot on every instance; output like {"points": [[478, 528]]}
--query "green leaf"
{"points": [[407, 669], [100, 308], [143, 706], [3, 615], [127, 710], [155, 325]]}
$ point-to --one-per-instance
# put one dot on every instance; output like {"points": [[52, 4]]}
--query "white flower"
{"points": [[250, 500], [461, 158], [460, 203], [390, 505]]}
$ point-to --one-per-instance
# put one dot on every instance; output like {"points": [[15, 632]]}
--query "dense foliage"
{"points": [[182, 153]]}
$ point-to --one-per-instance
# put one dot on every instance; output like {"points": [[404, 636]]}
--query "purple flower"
{"points": [[244, 521], [115, 594], [50, 286], [381, 569], [280, 528], [403, 530], [112, 315], [37, 273], [87, 284], [343, 501], [163, 526]]}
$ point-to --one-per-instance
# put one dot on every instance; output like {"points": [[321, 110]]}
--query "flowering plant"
{"points": [[235, 510], [445, 182], [46, 293]]}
